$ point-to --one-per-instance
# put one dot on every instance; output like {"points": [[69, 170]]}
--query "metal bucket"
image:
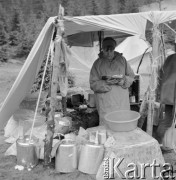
{"points": [[27, 152], [66, 157], [91, 158]]}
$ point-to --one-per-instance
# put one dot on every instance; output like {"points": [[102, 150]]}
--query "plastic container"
{"points": [[123, 120]]}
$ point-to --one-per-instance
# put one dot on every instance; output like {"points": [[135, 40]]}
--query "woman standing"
{"points": [[110, 78]]}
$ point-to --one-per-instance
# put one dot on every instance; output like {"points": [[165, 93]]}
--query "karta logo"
{"points": [[112, 169]]}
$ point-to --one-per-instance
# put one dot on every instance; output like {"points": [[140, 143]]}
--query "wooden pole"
{"points": [[54, 87], [153, 82], [159, 4]]}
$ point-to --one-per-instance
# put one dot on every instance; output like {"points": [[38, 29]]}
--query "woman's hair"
{"points": [[109, 39]]}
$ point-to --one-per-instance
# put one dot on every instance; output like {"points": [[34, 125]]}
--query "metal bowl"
{"points": [[123, 120]]}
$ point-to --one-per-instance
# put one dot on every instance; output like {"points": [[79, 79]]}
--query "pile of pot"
{"points": [[86, 156]]}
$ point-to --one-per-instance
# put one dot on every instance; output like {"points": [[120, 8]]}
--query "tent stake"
{"points": [[54, 87]]}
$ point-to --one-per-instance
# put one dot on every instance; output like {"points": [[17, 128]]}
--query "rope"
{"points": [[169, 27], [154, 75], [141, 60], [41, 87]]}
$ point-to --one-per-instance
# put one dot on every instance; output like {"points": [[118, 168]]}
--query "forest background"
{"points": [[22, 20]]}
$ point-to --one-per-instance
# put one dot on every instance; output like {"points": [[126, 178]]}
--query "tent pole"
{"points": [[153, 79], [99, 39], [54, 87]]}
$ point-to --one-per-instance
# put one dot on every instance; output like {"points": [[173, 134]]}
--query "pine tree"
{"points": [[17, 23], [122, 4], [3, 35], [71, 7], [46, 85], [30, 31], [95, 10], [4, 19], [3, 26], [65, 4], [131, 6], [107, 8], [50, 8], [3, 54]]}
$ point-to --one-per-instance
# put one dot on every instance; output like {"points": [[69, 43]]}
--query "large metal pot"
{"points": [[90, 158], [27, 152], [66, 157]]}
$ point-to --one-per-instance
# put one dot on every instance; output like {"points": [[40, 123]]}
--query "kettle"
{"points": [[66, 156]]}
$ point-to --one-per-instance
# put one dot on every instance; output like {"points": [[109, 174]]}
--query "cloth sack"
{"points": [[168, 80], [169, 140]]}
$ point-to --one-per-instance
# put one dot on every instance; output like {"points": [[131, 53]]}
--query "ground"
{"points": [[8, 73]]}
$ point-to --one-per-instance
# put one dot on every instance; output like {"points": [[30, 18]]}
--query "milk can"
{"points": [[91, 158], [66, 159], [27, 152]]}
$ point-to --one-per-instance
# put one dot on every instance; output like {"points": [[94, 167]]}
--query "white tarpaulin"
{"points": [[133, 24], [158, 17], [132, 47], [134, 50], [26, 77], [84, 56]]}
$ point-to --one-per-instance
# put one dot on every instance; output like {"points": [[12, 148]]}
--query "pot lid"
{"points": [[93, 145], [26, 141]]}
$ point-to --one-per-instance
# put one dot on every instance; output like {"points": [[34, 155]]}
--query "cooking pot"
{"points": [[66, 156], [27, 152], [75, 100], [91, 157], [62, 124]]}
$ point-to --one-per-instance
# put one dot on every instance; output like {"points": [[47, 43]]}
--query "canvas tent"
{"points": [[138, 54], [119, 24], [133, 48]]}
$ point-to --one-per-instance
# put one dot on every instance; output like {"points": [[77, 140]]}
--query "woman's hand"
{"points": [[121, 82]]}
